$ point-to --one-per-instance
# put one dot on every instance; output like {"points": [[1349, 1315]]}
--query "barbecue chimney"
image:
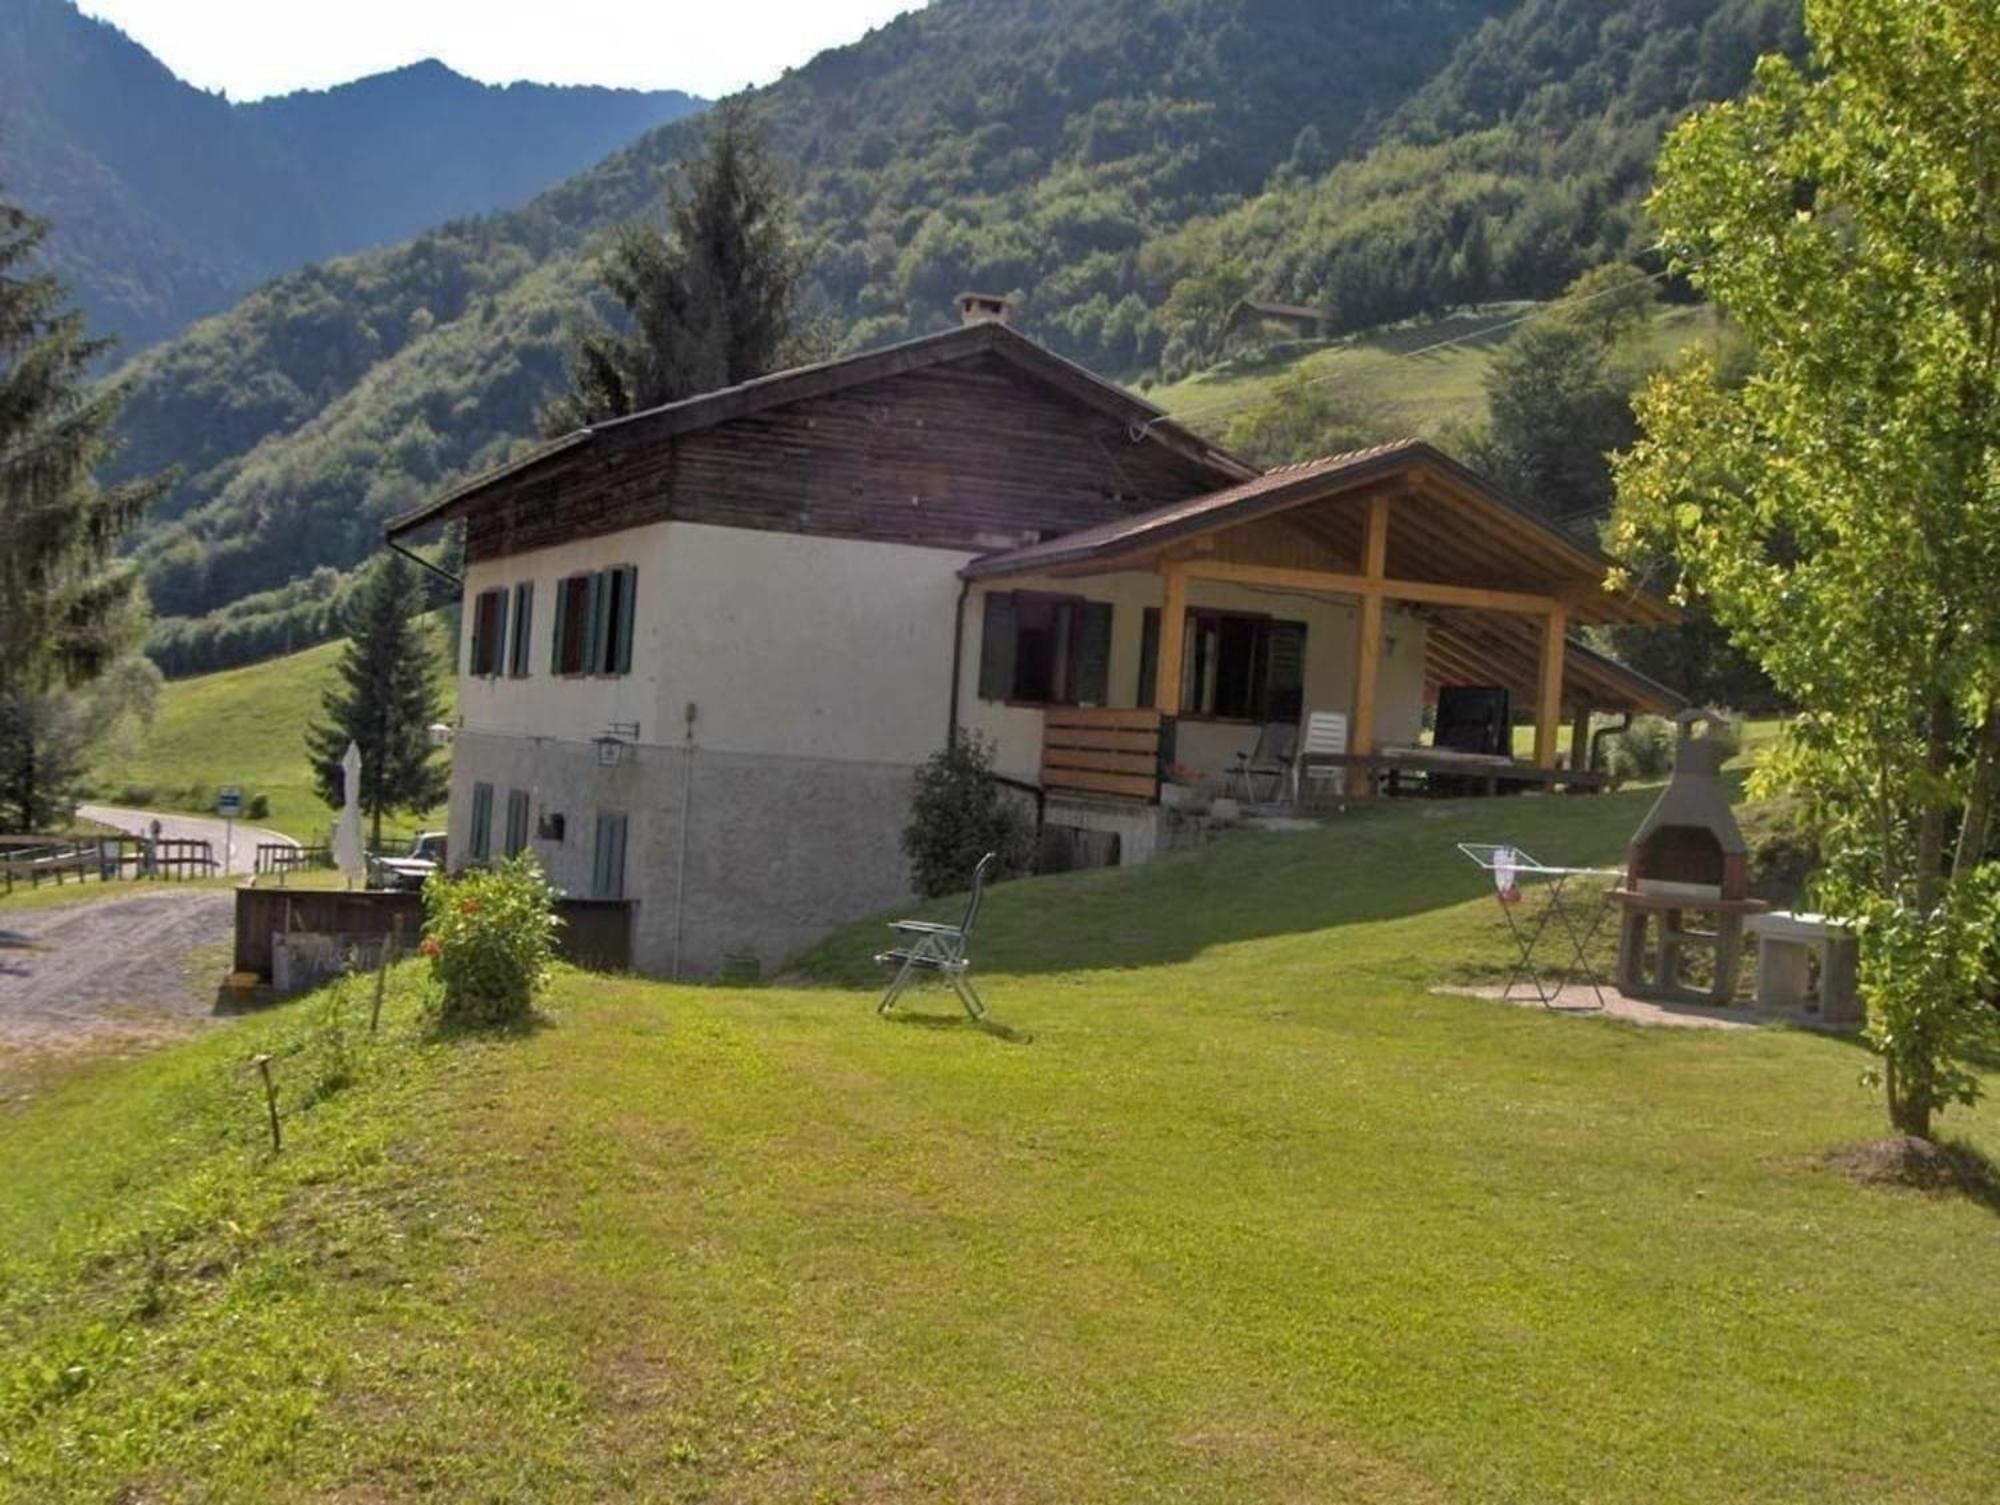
{"points": [[1687, 857]]}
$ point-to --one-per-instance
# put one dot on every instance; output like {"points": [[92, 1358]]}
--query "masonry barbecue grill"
{"points": [[1687, 859]]}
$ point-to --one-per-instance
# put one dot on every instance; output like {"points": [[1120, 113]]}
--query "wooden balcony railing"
{"points": [[1091, 751]]}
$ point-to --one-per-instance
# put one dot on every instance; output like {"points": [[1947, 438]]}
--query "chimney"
{"points": [[983, 308]]}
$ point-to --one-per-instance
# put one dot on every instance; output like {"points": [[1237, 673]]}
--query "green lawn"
{"points": [[1225, 1206], [1394, 372], [240, 726]]}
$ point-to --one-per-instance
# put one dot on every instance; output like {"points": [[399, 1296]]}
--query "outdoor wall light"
{"points": [[440, 734], [611, 742]]}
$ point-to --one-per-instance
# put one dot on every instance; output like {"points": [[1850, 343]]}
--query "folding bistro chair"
{"points": [[1271, 759], [937, 949]]}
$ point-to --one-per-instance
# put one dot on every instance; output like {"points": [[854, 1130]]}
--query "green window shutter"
{"points": [[996, 648], [607, 878], [597, 616], [559, 628], [482, 821], [1093, 659], [1149, 656], [524, 620], [1284, 671], [628, 592], [517, 821]]}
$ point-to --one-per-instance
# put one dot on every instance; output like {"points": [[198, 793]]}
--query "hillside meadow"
{"points": [[1224, 1204], [240, 726]]}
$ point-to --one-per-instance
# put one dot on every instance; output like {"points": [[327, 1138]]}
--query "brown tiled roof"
{"points": [[1272, 491]]}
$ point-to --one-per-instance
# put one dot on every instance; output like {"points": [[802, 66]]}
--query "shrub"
{"points": [[1644, 750], [960, 814], [259, 807], [490, 937]]}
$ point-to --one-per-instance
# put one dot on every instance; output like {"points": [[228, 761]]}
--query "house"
{"points": [[706, 646], [1257, 319]]}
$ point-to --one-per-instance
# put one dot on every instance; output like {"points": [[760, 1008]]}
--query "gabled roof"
{"points": [[1483, 511], [1278, 310], [988, 337], [1272, 491]]}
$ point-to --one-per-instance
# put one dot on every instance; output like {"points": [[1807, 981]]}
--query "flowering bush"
{"points": [[490, 936]]}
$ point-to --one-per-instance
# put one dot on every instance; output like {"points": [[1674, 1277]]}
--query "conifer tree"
{"points": [[64, 596], [384, 702], [711, 300]]}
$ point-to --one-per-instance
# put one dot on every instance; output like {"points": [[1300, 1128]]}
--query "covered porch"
{"points": [[1358, 588]]}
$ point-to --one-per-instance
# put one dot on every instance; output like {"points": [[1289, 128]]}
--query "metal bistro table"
{"points": [[1568, 918]]}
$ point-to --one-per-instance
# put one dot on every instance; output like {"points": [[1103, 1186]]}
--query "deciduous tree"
{"points": [[1840, 509]]}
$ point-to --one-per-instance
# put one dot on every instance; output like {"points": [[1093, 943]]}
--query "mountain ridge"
{"points": [[170, 202], [1125, 169]]}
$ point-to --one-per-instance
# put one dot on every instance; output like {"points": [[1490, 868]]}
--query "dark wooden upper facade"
{"points": [[960, 442]]}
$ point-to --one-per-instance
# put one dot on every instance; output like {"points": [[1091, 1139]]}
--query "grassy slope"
{"points": [[1394, 374], [1228, 1208], [242, 726]]}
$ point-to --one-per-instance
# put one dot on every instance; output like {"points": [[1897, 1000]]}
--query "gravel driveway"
{"points": [[102, 970]]}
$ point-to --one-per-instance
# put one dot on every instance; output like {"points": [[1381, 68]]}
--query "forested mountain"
{"points": [[169, 202], [1125, 167]]}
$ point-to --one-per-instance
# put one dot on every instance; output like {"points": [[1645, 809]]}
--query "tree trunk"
{"points": [[1909, 1112]]}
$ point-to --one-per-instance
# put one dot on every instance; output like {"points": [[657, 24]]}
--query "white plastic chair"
{"points": [[1325, 735]]}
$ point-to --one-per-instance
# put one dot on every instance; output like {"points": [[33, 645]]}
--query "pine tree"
{"points": [[65, 598], [710, 302], [385, 702]]}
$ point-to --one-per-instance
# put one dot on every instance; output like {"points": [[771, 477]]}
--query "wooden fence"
{"points": [[282, 857], [595, 933], [35, 860], [1095, 751]]}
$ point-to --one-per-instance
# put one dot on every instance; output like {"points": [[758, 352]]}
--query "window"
{"points": [[517, 822], [594, 622], [1045, 650], [607, 868], [481, 844], [489, 626], [1234, 665], [524, 620]]}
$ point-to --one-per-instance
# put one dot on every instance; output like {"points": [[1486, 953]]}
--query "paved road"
{"points": [[189, 828], [104, 969]]}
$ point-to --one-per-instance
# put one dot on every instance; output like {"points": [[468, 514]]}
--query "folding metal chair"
{"points": [[1270, 758], [937, 949]]}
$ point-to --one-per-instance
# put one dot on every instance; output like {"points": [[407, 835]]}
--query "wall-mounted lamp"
{"points": [[612, 741], [440, 733]]}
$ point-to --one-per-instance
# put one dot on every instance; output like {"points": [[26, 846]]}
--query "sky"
{"points": [[251, 48]]}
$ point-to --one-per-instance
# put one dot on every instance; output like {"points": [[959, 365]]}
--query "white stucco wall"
{"points": [[841, 649], [785, 644]]}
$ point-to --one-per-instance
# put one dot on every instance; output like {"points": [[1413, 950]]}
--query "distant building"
{"points": [[1258, 319]]}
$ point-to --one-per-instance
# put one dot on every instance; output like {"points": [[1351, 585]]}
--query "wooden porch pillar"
{"points": [[1368, 643], [1173, 636], [1548, 705]]}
